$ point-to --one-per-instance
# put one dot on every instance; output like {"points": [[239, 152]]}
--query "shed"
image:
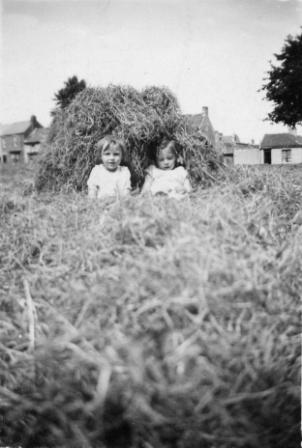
{"points": [[285, 148]]}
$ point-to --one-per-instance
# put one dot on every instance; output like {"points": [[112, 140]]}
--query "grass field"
{"points": [[152, 323]]}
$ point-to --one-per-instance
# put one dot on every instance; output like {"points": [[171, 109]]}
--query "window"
{"points": [[32, 155], [15, 157], [3, 143], [286, 155]]}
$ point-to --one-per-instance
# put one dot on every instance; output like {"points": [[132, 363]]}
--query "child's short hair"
{"points": [[106, 142]]}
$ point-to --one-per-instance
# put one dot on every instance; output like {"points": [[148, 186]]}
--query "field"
{"points": [[152, 323]]}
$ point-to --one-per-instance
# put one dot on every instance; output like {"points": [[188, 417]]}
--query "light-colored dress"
{"points": [[173, 183], [103, 183]]}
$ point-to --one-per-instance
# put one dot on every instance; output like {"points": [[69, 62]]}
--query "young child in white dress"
{"points": [[166, 178], [109, 178]]}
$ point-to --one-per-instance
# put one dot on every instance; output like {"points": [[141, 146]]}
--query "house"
{"points": [[283, 148], [202, 123], [19, 139], [274, 149], [226, 144], [236, 152], [229, 146]]}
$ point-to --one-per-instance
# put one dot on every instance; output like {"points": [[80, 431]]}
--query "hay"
{"points": [[157, 324], [141, 119]]}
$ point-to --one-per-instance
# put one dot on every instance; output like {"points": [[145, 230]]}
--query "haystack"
{"points": [[140, 118]]}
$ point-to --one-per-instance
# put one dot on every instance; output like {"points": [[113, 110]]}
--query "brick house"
{"points": [[18, 139], [202, 123], [279, 149]]}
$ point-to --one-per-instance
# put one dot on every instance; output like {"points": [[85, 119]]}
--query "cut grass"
{"points": [[152, 323]]}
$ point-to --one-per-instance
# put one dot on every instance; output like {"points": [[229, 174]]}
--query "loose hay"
{"points": [[141, 119], [158, 325]]}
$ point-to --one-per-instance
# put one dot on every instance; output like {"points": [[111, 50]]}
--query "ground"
{"points": [[152, 323]]}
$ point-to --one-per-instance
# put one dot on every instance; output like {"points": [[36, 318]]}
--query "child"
{"points": [[166, 178], [109, 178]]}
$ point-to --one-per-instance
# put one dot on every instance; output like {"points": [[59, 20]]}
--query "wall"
{"points": [[296, 156], [248, 156], [12, 142], [11, 145], [3, 153], [30, 151]]}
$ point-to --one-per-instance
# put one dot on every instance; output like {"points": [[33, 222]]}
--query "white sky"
{"points": [[211, 53]]}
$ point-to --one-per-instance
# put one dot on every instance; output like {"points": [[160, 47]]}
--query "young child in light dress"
{"points": [[165, 177], [109, 179]]}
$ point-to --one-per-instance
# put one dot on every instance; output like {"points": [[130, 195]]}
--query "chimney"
{"points": [[33, 120], [205, 111]]}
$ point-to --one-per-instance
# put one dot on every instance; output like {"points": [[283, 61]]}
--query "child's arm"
{"points": [[147, 184], [93, 191], [187, 185], [93, 187], [126, 183], [185, 181]]}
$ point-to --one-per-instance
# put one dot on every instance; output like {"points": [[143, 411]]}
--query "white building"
{"points": [[277, 149], [237, 153], [247, 154]]}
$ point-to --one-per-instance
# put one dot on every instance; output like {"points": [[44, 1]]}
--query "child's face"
{"points": [[166, 159], [111, 157]]}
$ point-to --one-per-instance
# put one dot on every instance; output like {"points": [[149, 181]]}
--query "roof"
{"points": [[194, 120], [15, 128], [229, 143], [246, 146], [285, 140], [37, 135], [231, 139]]}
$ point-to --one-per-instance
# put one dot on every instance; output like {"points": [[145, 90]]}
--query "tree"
{"points": [[284, 84], [72, 87]]}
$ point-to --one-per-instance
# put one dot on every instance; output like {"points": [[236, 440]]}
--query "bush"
{"points": [[141, 119]]}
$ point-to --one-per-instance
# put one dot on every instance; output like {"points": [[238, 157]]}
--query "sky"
{"points": [[212, 53]]}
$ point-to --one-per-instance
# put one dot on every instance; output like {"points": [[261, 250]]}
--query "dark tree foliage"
{"points": [[284, 84], [72, 87]]}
